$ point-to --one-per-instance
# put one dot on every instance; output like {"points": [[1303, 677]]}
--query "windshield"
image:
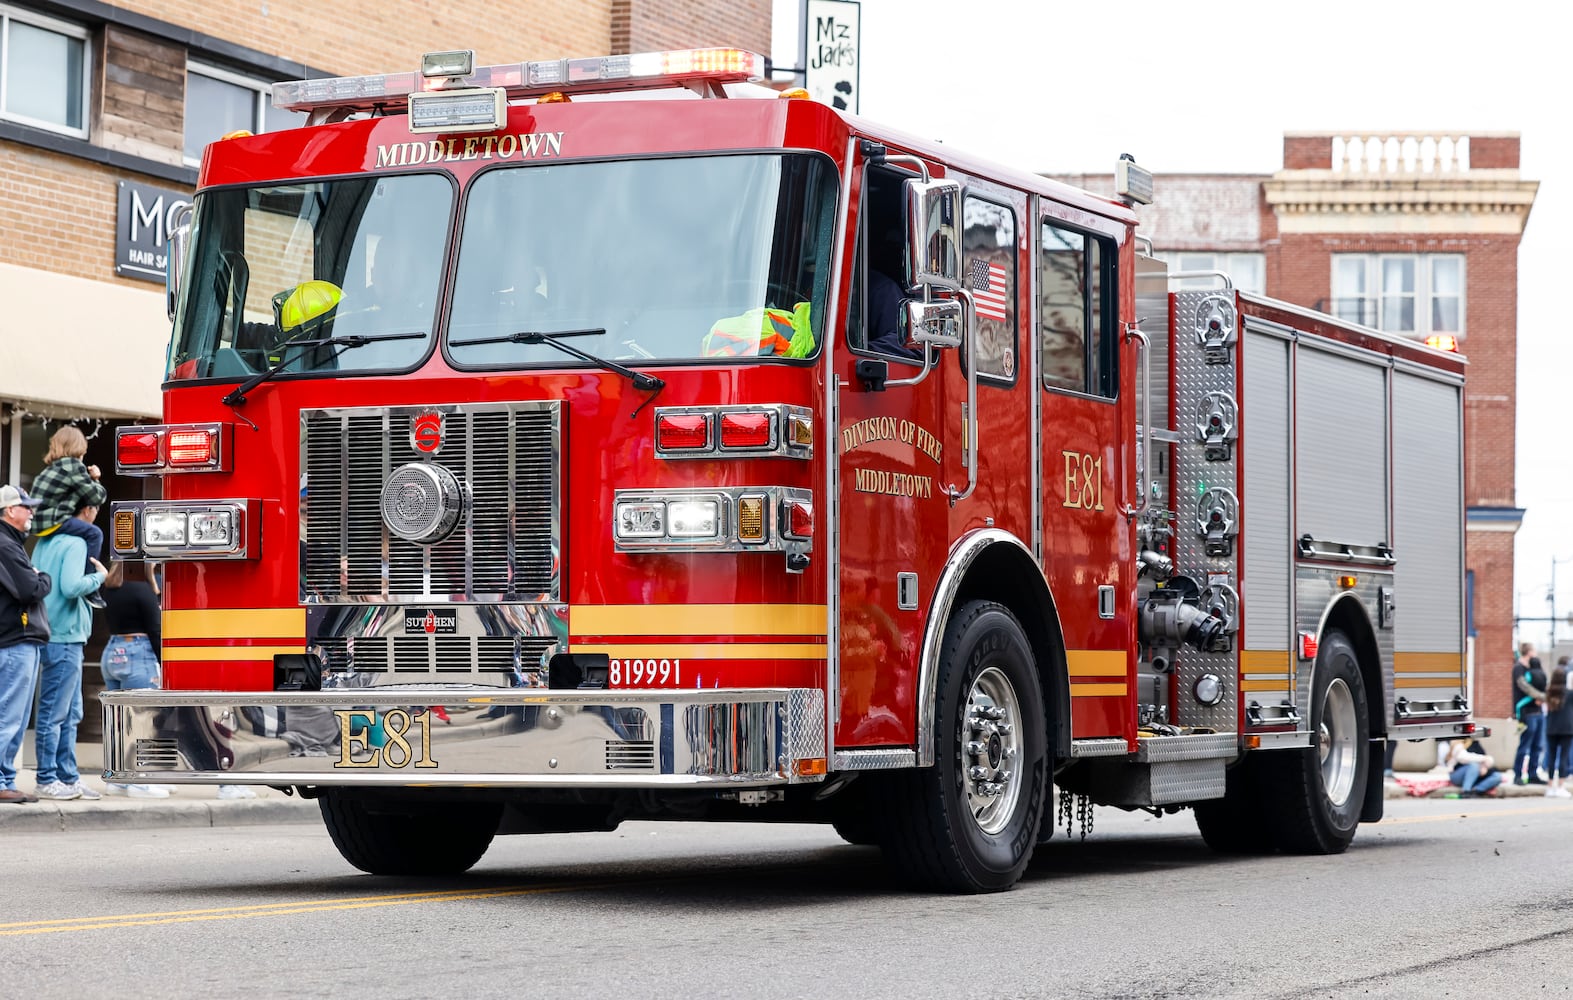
{"points": [[699, 258], [293, 262]]}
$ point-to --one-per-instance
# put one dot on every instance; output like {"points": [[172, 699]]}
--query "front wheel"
{"points": [[969, 823], [1321, 789], [409, 838]]}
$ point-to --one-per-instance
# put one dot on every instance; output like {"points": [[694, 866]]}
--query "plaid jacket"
{"points": [[64, 487]]}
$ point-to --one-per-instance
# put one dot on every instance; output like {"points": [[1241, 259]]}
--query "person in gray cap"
{"points": [[23, 632]]}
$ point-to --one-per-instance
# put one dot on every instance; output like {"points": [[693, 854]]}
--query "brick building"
{"points": [[1415, 233], [104, 111]]}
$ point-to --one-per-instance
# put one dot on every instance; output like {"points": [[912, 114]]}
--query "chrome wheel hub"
{"points": [[990, 748], [1336, 742]]}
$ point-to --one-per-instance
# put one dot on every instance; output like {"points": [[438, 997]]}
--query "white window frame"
{"points": [[1376, 294], [259, 111], [1218, 260], [9, 14]]}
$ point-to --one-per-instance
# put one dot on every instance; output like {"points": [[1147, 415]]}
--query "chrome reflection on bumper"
{"points": [[433, 735]]}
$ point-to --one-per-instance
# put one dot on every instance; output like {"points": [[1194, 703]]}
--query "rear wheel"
{"points": [[409, 838], [969, 823], [1320, 790]]}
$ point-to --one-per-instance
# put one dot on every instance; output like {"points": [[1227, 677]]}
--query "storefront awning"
{"points": [[89, 348]]}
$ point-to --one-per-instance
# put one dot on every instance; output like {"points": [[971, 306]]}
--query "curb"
{"points": [[114, 814]]}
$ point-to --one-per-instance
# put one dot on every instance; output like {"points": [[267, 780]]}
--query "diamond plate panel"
{"points": [[805, 725], [1195, 475]]}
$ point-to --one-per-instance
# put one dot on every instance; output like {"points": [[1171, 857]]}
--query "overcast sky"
{"points": [[1067, 87]]}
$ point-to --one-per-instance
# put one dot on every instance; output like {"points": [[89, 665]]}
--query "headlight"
{"points": [[164, 527], [693, 518], [641, 520], [212, 528], [171, 529]]}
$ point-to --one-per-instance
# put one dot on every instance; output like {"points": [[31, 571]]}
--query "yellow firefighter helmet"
{"points": [[302, 310]]}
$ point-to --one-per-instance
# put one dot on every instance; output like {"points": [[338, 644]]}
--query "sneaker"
{"points": [[136, 791], [235, 792], [95, 600], [1562, 793], [16, 795], [85, 793], [1389, 775], [59, 791], [1537, 780]]}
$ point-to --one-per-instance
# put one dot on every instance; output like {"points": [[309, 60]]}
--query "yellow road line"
{"points": [[279, 909]]}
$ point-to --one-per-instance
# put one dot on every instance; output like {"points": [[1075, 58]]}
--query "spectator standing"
{"points": [[60, 677], [22, 635], [1529, 699], [66, 485], [131, 657], [1559, 732]]}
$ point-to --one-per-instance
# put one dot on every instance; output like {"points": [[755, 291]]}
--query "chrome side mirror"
{"points": [[175, 259], [933, 324], [933, 238]]}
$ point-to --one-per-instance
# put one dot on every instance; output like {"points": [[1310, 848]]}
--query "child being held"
{"points": [[66, 485]]}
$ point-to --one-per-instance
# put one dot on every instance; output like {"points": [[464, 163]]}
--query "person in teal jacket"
{"points": [[65, 558]]}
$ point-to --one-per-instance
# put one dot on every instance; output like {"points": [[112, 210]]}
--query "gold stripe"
{"points": [[1428, 663], [227, 652], [698, 619], [1096, 690], [1265, 661], [1449, 683], [1095, 662], [1275, 684], [236, 623], [710, 650]]}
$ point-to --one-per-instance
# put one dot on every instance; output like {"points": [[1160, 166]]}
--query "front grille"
{"points": [[507, 457], [492, 660]]}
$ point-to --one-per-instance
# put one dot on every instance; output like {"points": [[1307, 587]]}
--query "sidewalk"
{"points": [[1434, 784], [187, 805]]}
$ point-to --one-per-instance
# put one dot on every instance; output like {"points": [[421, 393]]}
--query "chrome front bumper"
{"points": [[469, 736]]}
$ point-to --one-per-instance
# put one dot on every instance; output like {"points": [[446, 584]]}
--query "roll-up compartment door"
{"points": [[1266, 577], [1340, 449]]}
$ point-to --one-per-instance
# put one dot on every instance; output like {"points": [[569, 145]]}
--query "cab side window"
{"points": [[989, 263], [879, 277], [1076, 310]]}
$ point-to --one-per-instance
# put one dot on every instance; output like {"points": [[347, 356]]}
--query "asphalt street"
{"points": [[1444, 898]]}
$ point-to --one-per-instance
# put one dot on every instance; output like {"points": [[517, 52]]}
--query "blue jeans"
{"points": [[59, 711], [129, 663], [1469, 778], [1530, 742], [18, 673], [1559, 762]]}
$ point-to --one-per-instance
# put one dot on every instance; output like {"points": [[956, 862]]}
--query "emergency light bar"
{"points": [[595, 74]]}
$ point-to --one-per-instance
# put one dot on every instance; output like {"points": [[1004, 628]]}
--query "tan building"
{"points": [[104, 113], [1415, 233]]}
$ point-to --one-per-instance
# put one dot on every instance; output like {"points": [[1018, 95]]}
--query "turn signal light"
{"points": [[1347, 581], [136, 447], [747, 429]]}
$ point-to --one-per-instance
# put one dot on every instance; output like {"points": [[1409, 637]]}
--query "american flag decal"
{"points": [[990, 289]]}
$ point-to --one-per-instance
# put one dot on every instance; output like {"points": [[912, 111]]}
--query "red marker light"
{"points": [[799, 518], [682, 431], [747, 429], [136, 448]]}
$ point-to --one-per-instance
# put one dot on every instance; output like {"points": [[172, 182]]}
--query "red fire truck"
{"points": [[538, 455]]}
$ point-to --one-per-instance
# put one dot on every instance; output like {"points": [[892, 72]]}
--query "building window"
{"points": [[1076, 310], [218, 102], [1248, 271], [1415, 295], [43, 72]]}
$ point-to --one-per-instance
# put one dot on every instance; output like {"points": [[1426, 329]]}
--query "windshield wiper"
{"points": [[641, 381], [238, 394]]}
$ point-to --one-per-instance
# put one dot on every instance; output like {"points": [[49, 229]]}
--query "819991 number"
{"points": [[644, 673]]}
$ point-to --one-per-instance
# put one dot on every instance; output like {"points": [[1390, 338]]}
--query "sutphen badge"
{"points": [[427, 432]]}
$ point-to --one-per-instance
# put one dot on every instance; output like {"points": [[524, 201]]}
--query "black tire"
{"points": [[1319, 791], [1238, 822], [931, 833], [424, 839], [859, 831]]}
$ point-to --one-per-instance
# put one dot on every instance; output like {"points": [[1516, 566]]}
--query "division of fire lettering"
{"points": [[508, 146], [861, 432]]}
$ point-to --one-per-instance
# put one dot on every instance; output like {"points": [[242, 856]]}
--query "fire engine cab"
{"points": [[538, 454]]}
